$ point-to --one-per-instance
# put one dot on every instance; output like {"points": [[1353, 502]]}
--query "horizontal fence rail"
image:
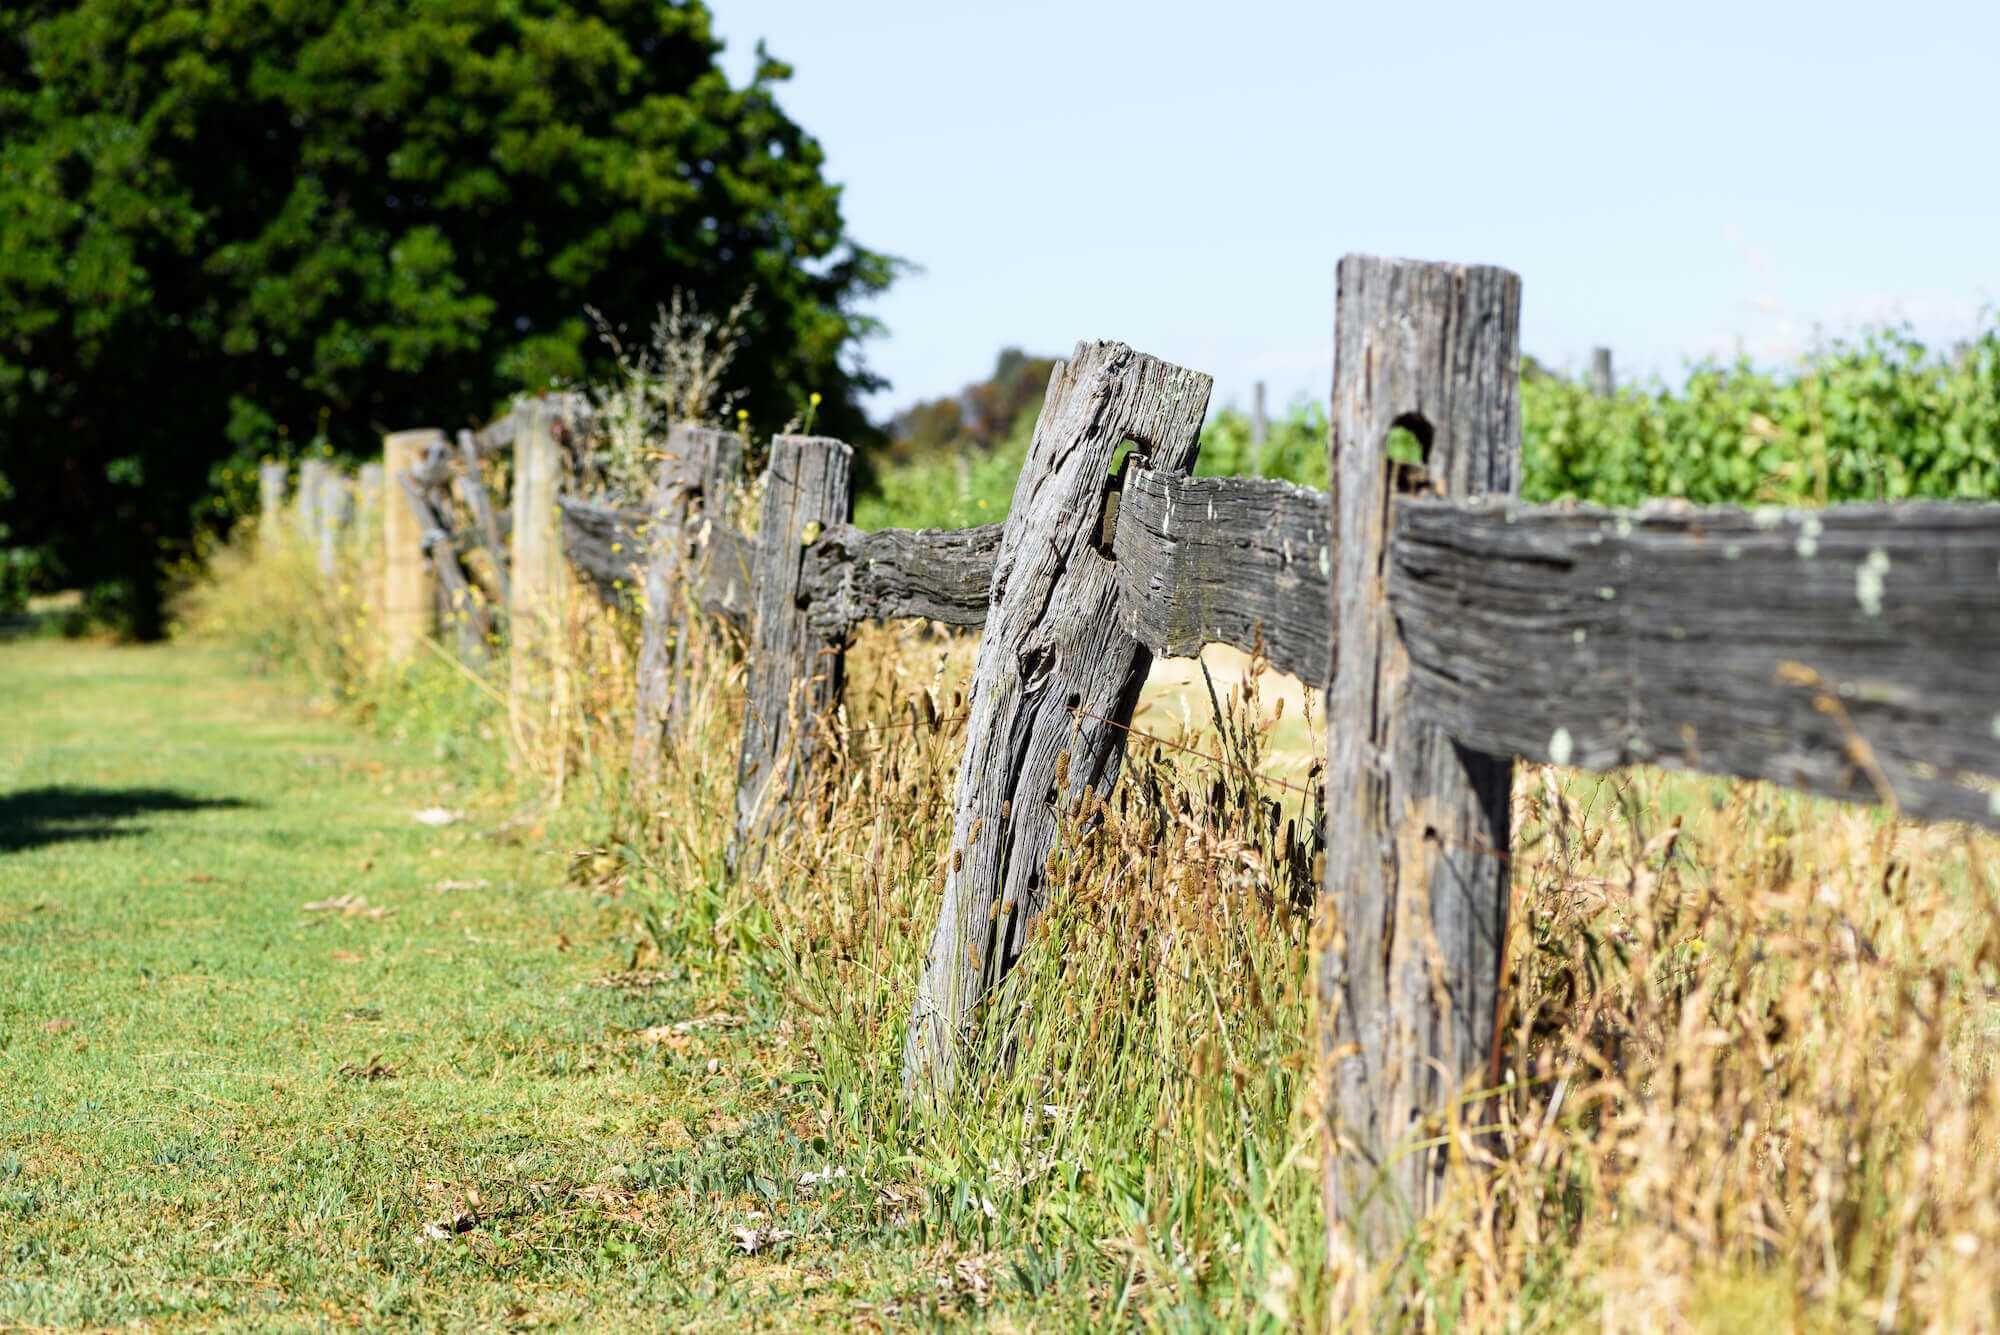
{"points": [[1852, 652]]}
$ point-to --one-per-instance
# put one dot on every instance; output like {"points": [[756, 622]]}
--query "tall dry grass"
{"points": [[1748, 1077]]}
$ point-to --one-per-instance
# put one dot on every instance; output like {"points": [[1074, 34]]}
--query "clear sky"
{"points": [[1670, 179]]}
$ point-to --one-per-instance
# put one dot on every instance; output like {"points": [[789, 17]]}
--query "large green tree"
{"points": [[232, 228]]}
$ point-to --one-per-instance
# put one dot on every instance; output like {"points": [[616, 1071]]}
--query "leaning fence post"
{"points": [[690, 491], [1417, 828], [534, 571], [793, 673], [1054, 685], [406, 575]]}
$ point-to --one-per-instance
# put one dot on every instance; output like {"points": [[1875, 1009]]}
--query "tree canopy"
{"points": [[250, 227]]}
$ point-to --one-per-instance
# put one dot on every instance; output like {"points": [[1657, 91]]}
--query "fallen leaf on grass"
{"points": [[367, 1073], [757, 1238], [345, 957], [438, 1230], [200, 878], [445, 886], [348, 906], [436, 816]]}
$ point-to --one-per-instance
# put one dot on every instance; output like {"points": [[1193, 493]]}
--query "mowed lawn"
{"points": [[422, 1107]]}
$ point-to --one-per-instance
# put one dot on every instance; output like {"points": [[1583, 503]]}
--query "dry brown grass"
{"points": [[1749, 1073]]}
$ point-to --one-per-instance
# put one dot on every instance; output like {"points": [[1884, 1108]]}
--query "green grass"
{"points": [[188, 1128]]}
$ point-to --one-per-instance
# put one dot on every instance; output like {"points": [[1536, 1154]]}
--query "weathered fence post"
{"points": [[1417, 828], [690, 492], [793, 673], [472, 490], [270, 504], [534, 605], [406, 575], [1601, 381], [1055, 683]]}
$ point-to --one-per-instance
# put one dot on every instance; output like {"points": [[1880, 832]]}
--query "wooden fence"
{"points": [[1852, 652]]}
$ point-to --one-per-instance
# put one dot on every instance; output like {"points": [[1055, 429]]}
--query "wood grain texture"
{"points": [[1852, 652], [406, 574], [694, 479], [1055, 662], [1417, 828], [793, 676], [941, 574], [1226, 560]]}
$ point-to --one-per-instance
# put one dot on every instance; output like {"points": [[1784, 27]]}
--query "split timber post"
{"points": [[270, 504], [690, 492], [1417, 826], [534, 603], [793, 671], [1056, 679], [406, 575]]}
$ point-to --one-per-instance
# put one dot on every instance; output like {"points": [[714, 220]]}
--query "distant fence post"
{"points": [[1601, 382], [305, 502], [472, 489], [406, 576], [335, 510], [270, 504], [368, 502], [1417, 827], [1260, 431], [534, 570], [690, 491], [793, 672], [1054, 686]]}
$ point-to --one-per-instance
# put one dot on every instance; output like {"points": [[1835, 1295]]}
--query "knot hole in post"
{"points": [[1127, 456], [1408, 450]]}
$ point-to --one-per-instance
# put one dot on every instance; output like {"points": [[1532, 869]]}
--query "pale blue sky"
{"points": [[1671, 180]]}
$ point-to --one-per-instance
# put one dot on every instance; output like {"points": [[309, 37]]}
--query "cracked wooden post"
{"points": [[270, 505], [406, 575], [1417, 828], [534, 604], [690, 491], [793, 674], [1055, 682]]}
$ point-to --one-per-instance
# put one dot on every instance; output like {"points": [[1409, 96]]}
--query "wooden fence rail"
{"points": [[1852, 652]]}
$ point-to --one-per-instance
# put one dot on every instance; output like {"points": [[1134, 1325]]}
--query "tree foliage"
{"points": [[240, 227]]}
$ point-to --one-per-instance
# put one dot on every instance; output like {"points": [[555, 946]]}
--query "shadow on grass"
{"points": [[61, 813]]}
